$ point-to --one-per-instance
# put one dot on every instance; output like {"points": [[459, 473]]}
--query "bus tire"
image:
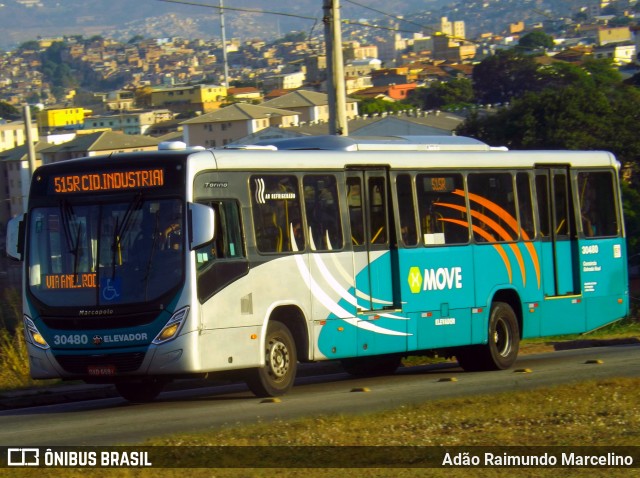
{"points": [[141, 391], [501, 351], [371, 366], [281, 362]]}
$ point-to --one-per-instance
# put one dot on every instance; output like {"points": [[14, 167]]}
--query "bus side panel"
{"points": [[562, 315], [437, 292], [604, 278], [333, 303], [559, 314], [383, 330], [246, 307]]}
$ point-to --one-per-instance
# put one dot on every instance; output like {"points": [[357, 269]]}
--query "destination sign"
{"points": [[438, 184], [108, 181], [70, 281]]}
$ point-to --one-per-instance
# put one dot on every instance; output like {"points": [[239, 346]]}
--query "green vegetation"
{"points": [[8, 111], [14, 364]]}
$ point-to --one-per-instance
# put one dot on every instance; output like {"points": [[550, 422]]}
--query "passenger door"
{"points": [[375, 265]]}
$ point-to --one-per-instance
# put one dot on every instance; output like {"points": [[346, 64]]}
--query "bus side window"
{"points": [[598, 214], [492, 201], [323, 212], [228, 242], [354, 202], [442, 209], [378, 210], [525, 206], [544, 206], [277, 216], [404, 191]]}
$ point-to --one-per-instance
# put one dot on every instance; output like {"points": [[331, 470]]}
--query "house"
{"points": [[310, 105], [14, 179], [131, 122], [180, 99], [229, 124], [284, 81], [51, 119], [245, 94], [13, 134], [392, 92], [94, 144]]}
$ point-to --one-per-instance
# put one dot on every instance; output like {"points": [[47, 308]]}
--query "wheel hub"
{"points": [[501, 338], [278, 359]]}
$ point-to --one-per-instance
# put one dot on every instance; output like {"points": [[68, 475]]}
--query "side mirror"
{"points": [[201, 225], [15, 237]]}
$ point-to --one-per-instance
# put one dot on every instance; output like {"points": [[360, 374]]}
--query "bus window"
{"points": [[561, 202], [354, 202], [277, 218], [599, 217], [378, 210], [442, 209], [493, 207], [542, 194], [404, 190], [228, 241], [525, 206], [323, 212]]}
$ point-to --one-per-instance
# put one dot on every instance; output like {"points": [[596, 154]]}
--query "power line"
{"points": [[303, 17], [233, 9], [390, 15], [402, 19]]}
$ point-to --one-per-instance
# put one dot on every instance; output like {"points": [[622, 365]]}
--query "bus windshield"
{"points": [[105, 254]]}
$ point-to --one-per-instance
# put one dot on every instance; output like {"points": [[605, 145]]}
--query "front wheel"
{"points": [[501, 350], [281, 363]]}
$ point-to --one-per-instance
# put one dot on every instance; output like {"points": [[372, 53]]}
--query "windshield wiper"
{"points": [[68, 215], [120, 230]]}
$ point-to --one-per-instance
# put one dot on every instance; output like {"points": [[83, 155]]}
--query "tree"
{"points": [[503, 76], [8, 111], [371, 106], [536, 40], [445, 94], [585, 107]]}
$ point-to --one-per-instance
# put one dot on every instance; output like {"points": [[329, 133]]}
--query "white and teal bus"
{"points": [[141, 268]]}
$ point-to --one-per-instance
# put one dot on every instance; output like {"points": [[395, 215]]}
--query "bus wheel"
{"points": [[504, 341], [281, 363], [141, 391], [371, 366]]}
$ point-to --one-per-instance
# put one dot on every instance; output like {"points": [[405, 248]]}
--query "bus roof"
{"points": [[377, 143]]}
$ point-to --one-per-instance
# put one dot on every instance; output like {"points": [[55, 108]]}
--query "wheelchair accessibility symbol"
{"points": [[112, 289]]}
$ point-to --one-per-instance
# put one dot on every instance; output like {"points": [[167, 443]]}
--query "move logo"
{"points": [[443, 278]]}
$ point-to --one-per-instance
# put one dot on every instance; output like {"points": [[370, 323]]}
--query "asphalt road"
{"points": [[113, 421]]}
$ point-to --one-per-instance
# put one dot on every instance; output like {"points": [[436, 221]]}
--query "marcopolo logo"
{"points": [[442, 278]]}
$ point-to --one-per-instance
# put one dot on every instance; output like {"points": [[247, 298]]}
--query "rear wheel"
{"points": [[501, 350], [281, 363], [141, 391]]}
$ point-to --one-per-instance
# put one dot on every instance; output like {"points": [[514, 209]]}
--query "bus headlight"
{"points": [[32, 335], [172, 327]]}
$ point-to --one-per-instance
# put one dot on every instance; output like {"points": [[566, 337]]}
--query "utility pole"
{"points": [[224, 46], [335, 69], [31, 156]]}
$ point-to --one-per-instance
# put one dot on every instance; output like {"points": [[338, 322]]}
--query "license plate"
{"points": [[101, 370]]}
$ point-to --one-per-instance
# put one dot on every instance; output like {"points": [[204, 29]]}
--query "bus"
{"points": [[143, 268]]}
